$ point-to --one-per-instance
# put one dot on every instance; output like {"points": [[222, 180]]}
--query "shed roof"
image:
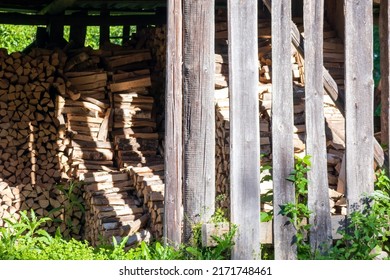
{"points": [[58, 6]]}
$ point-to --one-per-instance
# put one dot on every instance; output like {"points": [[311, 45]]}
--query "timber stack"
{"points": [[87, 114], [133, 128], [112, 209], [31, 137], [149, 185]]}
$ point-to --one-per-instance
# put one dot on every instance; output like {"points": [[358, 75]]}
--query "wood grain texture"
{"points": [[282, 127], [173, 126], [384, 30], [330, 86], [199, 115], [359, 101], [318, 197], [244, 128]]}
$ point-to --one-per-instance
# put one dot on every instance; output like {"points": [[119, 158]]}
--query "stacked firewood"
{"points": [[87, 114], [155, 39], [28, 124], [149, 184], [133, 128], [59, 202], [112, 208]]}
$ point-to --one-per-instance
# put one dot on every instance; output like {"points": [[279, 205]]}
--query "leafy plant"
{"points": [[367, 231], [298, 212], [267, 197], [220, 252], [74, 203]]}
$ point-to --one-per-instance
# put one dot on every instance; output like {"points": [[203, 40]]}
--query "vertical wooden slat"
{"points": [[199, 115], [318, 193], [126, 34], [244, 127], [384, 30], [173, 126], [104, 28], [359, 113], [282, 126], [56, 30]]}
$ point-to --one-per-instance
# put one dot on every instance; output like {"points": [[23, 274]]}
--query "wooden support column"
{"points": [[199, 113], [56, 30], [282, 127], [104, 28], [384, 29], [125, 34], [173, 127], [359, 94], [318, 188], [78, 32], [244, 128]]}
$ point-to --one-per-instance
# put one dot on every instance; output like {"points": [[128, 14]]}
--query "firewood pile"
{"points": [[30, 138], [74, 116], [149, 185], [112, 208]]}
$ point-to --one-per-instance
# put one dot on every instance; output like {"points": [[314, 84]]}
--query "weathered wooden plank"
{"points": [[244, 138], [282, 126], [330, 85], [384, 29], [199, 132], [359, 101], [173, 155], [318, 198]]}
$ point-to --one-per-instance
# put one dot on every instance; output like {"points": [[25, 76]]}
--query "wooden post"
{"points": [[282, 127], [359, 113], [56, 30], [244, 128], [318, 193], [126, 34], [173, 127], [104, 29], [78, 32], [199, 115], [384, 29]]}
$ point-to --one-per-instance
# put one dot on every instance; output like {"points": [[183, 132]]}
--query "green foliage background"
{"points": [[17, 37]]}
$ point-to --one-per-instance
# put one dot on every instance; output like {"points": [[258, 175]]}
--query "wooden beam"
{"points": [[57, 7], [330, 86], [282, 127], [359, 113], [384, 29], [318, 187], [173, 127], [199, 120], [244, 128], [22, 19]]}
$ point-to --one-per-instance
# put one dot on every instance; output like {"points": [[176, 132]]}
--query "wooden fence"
{"points": [[356, 103]]}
